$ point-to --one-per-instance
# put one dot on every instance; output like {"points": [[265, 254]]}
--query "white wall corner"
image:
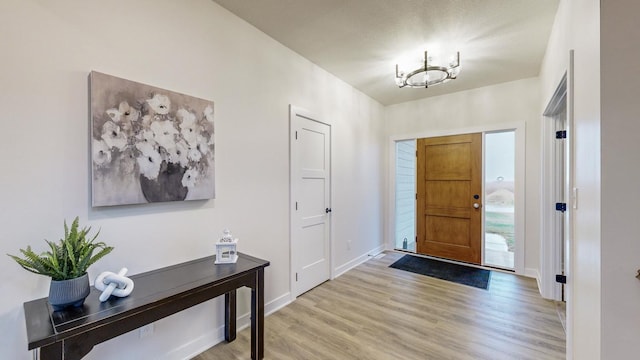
{"points": [[535, 274], [389, 245], [357, 261]]}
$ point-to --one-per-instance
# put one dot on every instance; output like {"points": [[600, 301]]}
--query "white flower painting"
{"points": [[149, 144]]}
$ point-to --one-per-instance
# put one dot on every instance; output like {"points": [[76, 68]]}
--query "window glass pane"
{"points": [[405, 195], [499, 199]]}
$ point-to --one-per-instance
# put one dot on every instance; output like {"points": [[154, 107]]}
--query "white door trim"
{"points": [[549, 251], [301, 112], [519, 128], [571, 193]]}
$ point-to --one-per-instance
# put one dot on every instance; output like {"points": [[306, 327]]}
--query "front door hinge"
{"points": [[296, 135], [562, 279], [296, 276], [562, 134], [561, 207]]}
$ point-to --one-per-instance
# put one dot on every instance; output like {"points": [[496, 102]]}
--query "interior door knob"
{"points": [[327, 210], [476, 205]]}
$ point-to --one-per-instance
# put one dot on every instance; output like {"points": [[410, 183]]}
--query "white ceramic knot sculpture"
{"points": [[113, 284]]}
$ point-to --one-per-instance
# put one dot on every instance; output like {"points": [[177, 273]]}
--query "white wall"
{"points": [[577, 27], [620, 87], [197, 48], [516, 101]]}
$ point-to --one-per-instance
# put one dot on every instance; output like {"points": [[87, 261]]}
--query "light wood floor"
{"points": [[376, 312]]}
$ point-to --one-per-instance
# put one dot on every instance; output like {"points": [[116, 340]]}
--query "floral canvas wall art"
{"points": [[149, 144]]}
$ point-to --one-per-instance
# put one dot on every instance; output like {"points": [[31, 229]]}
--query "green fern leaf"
{"points": [[67, 259]]}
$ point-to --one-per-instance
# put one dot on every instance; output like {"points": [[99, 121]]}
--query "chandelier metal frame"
{"points": [[444, 74]]}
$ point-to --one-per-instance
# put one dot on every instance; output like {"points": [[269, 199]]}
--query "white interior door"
{"points": [[559, 195], [310, 160]]}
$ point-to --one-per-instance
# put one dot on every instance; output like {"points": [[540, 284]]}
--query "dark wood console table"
{"points": [[72, 333]]}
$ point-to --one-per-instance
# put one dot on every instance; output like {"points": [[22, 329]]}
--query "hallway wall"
{"points": [[193, 47]]}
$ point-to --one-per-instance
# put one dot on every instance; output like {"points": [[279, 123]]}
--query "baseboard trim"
{"points": [[211, 338], [340, 270]]}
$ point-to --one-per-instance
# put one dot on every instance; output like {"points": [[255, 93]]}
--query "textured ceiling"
{"points": [[360, 41]]}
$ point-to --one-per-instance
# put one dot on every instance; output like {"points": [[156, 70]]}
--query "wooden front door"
{"points": [[449, 200]]}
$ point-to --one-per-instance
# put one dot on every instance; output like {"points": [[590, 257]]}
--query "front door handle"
{"points": [[476, 206]]}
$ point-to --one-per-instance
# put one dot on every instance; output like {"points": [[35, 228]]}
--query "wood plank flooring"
{"points": [[375, 312]]}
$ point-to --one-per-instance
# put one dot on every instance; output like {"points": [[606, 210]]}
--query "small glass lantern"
{"points": [[227, 249]]}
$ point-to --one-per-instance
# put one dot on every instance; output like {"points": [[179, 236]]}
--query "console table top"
{"points": [[152, 288]]}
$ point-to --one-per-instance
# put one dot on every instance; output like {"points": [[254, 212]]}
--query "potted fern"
{"points": [[66, 263]]}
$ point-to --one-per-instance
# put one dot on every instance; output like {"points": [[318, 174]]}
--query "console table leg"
{"points": [[257, 316], [230, 316], [51, 352]]}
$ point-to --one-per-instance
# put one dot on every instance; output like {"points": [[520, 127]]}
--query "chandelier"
{"points": [[429, 74]]}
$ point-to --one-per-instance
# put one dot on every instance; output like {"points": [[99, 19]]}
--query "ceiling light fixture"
{"points": [[429, 74]]}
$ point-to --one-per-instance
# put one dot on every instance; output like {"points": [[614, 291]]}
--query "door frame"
{"points": [[550, 250], [519, 129], [549, 255], [293, 112]]}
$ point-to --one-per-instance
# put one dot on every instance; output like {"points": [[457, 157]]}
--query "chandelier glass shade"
{"points": [[429, 74]]}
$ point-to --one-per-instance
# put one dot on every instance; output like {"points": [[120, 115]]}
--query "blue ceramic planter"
{"points": [[67, 293]]}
